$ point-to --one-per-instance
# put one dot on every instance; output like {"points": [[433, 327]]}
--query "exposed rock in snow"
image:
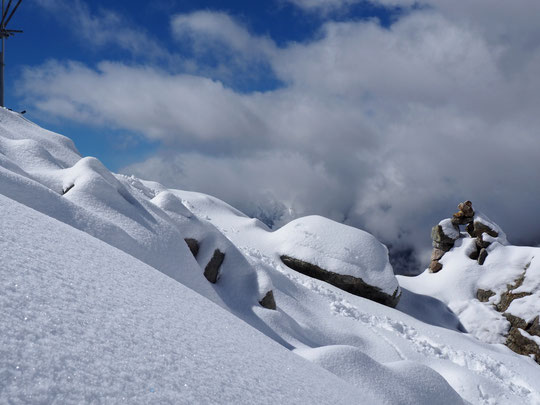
{"points": [[268, 300], [353, 285], [193, 246], [500, 303], [211, 271]]}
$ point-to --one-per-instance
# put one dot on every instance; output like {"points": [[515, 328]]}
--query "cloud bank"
{"points": [[382, 128]]}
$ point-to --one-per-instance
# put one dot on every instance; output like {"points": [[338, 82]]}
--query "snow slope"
{"points": [[84, 322], [95, 248]]}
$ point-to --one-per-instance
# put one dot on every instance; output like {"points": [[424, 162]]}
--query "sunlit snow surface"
{"points": [[89, 314]]}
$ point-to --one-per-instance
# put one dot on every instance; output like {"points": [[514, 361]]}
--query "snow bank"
{"points": [[371, 377]]}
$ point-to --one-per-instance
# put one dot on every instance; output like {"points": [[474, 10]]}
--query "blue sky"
{"points": [[382, 114], [48, 34]]}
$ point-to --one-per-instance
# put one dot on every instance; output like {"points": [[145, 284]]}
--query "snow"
{"points": [[337, 248], [84, 322], [353, 365], [117, 308], [449, 228]]}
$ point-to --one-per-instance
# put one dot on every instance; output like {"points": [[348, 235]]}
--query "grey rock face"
{"points": [[437, 254], [438, 235], [515, 339], [353, 285], [484, 295], [474, 254], [211, 271], [193, 246], [481, 243], [482, 256], [268, 301], [435, 266], [480, 228]]}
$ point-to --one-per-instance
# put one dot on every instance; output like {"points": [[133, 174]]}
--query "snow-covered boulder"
{"points": [[343, 256]]}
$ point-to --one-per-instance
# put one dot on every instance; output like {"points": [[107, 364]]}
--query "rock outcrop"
{"points": [[211, 271], [445, 234], [193, 245], [353, 285], [522, 336], [268, 301]]}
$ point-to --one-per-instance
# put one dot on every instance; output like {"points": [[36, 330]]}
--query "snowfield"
{"points": [[103, 301]]}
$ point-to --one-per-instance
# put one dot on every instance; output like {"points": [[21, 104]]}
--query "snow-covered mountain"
{"points": [[117, 289]]}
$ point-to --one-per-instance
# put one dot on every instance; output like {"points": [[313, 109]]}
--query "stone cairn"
{"points": [[444, 241]]}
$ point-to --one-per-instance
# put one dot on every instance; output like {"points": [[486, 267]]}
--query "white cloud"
{"points": [[204, 27], [382, 128], [323, 5]]}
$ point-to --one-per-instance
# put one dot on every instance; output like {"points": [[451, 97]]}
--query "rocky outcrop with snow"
{"points": [[492, 286]]}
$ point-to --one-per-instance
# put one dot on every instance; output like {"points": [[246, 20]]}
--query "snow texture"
{"points": [[102, 301], [84, 322], [449, 229]]}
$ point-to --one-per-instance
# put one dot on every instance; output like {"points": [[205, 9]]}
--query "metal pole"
{"points": [[2, 64]]}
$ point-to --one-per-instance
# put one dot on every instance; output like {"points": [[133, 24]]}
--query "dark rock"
{"points": [[353, 285], [522, 345], [437, 254], [515, 321], [474, 254], [466, 208], [482, 256], [445, 247], [211, 271], [193, 246], [438, 235], [507, 298], [534, 327], [459, 218], [64, 191], [484, 295], [480, 228], [481, 243], [268, 301], [470, 229], [435, 266]]}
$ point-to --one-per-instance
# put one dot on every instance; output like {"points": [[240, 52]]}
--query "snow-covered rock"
{"points": [[346, 257], [497, 296]]}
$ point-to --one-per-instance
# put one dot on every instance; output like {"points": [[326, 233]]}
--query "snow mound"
{"points": [[358, 368], [337, 248]]}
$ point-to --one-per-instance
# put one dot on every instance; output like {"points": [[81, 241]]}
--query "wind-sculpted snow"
{"points": [[84, 300]]}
